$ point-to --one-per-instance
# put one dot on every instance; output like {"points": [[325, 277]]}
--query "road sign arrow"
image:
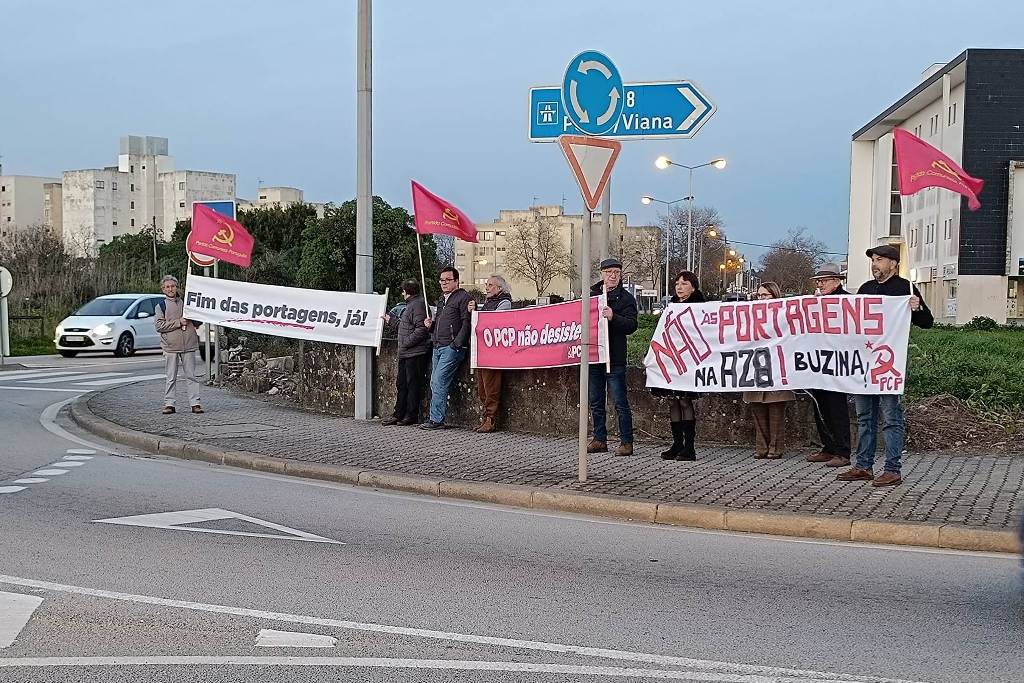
{"points": [[614, 97], [574, 100], [699, 107]]}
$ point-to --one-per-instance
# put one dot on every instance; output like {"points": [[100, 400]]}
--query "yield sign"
{"points": [[591, 160], [183, 521]]}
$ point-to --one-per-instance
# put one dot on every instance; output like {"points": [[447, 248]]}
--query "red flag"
{"points": [[435, 215], [920, 165], [214, 234]]}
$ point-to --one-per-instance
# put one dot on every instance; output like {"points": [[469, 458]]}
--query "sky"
{"points": [[267, 90]]}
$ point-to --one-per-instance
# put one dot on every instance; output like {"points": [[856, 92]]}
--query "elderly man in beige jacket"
{"points": [[179, 341]]}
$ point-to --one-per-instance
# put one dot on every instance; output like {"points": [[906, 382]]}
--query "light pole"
{"points": [[647, 199], [664, 162]]}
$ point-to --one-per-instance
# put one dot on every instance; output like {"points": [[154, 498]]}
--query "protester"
{"points": [[413, 353], [686, 288], [449, 330], [179, 342], [885, 262], [768, 408], [488, 380], [621, 313], [831, 408]]}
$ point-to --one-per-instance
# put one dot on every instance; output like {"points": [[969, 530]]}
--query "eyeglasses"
{"points": [[764, 296], [447, 279]]}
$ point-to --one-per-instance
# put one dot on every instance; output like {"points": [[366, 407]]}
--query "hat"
{"points": [[611, 263], [886, 250], [828, 270]]}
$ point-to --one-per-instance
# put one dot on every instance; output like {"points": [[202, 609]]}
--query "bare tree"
{"points": [[534, 251], [792, 261], [676, 224], [445, 249], [643, 257]]}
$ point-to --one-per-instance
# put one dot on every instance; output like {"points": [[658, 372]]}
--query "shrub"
{"points": [[981, 322]]}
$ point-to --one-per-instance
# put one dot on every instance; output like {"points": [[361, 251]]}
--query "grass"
{"points": [[985, 368], [32, 346]]}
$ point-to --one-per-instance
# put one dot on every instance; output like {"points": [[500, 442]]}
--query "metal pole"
{"points": [[689, 225], [667, 295], [606, 220], [216, 339], [364, 199], [209, 376], [5, 337], [585, 339]]}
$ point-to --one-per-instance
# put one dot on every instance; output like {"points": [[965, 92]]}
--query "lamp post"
{"points": [[662, 163], [647, 199]]}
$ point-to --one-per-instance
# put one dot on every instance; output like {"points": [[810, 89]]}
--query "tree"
{"points": [[534, 252], [705, 218], [445, 249], [791, 261], [643, 257]]}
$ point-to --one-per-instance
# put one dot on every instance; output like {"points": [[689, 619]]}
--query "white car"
{"points": [[122, 323]]}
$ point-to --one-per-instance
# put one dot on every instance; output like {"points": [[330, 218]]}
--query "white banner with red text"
{"points": [[851, 344], [336, 317]]}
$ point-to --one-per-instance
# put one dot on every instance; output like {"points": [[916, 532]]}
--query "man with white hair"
{"points": [[179, 342], [488, 380]]}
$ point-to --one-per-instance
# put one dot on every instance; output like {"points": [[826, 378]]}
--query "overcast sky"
{"points": [[266, 90]]}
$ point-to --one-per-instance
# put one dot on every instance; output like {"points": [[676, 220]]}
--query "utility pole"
{"points": [[364, 200]]}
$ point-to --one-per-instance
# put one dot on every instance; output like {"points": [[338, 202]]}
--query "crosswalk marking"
{"points": [[66, 381], [31, 480], [121, 380], [11, 489], [22, 374], [76, 379], [49, 473], [69, 391]]}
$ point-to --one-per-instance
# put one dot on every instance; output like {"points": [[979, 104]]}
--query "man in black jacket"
{"points": [[885, 262], [450, 332], [622, 321], [414, 348], [831, 408]]}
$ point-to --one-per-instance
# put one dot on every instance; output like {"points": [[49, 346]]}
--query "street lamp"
{"points": [[647, 199], [662, 163]]}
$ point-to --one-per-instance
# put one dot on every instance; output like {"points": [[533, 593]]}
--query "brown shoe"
{"points": [[855, 474], [760, 456], [197, 409], [625, 449], [596, 446], [820, 457], [838, 461], [888, 479], [168, 410], [486, 427]]}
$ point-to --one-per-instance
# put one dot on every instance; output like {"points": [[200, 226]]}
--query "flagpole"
{"points": [[423, 277]]}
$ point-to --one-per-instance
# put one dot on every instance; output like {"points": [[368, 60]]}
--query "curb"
{"points": [[857, 529]]}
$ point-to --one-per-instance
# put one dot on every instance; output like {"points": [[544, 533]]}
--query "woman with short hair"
{"points": [[414, 347], [768, 408]]}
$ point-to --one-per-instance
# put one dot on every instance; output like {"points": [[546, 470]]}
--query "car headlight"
{"points": [[103, 329]]}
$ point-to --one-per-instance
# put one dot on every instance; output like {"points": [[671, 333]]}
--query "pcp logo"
{"points": [[450, 215]]}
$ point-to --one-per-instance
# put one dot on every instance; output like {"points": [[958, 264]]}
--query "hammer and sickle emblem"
{"points": [[226, 235], [450, 215], [941, 165]]}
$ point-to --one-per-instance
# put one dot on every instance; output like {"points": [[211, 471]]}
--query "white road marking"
{"points": [[15, 611], [34, 373], [65, 391], [49, 473], [270, 638], [80, 451], [77, 458], [540, 646], [121, 380], [66, 463], [175, 520], [48, 420], [31, 480], [11, 489], [75, 379]]}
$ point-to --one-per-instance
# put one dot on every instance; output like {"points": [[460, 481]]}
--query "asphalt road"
{"points": [[403, 588]]}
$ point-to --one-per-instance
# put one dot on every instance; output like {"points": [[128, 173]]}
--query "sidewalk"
{"points": [[971, 502]]}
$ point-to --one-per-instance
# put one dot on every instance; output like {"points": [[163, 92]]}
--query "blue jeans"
{"points": [[444, 367], [616, 379], [868, 408]]}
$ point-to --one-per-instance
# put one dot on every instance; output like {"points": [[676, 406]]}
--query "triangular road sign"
{"points": [[591, 160], [179, 520]]}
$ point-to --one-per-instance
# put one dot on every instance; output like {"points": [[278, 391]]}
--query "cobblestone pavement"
{"points": [[977, 491]]}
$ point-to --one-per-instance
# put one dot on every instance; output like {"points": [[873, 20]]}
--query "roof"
{"points": [[127, 296]]}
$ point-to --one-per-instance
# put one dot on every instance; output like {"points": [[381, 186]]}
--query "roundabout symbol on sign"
{"points": [[592, 93]]}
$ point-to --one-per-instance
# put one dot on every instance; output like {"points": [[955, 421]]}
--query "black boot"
{"points": [[689, 429], [678, 440]]}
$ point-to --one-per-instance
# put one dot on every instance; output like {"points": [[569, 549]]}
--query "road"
{"points": [[388, 587]]}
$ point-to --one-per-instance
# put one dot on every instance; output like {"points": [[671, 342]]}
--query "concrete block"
{"points": [[788, 524], [263, 464], [596, 504], [318, 470], [970, 538], [487, 492], [203, 452], [396, 481], [238, 459], [896, 533], [698, 516], [172, 447]]}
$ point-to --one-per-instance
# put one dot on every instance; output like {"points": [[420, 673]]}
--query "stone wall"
{"points": [[536, 401]]}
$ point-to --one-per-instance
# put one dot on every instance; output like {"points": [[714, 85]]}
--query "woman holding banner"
{"points": [[769, 407], [681, 413]]}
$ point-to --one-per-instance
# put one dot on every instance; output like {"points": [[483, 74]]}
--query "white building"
{"points": [[965, 263], [278, 196], [143, 191], [21, 203]]}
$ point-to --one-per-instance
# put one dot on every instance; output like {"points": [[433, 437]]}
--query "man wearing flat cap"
{"points": [[622, 321], [885, 264], [831, 408]]}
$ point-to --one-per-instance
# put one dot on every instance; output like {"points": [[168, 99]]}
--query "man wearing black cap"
{"points": [[885, 262], [622, 321]]}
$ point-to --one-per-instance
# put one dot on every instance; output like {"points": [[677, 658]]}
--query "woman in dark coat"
{"points": [[681, 413]]}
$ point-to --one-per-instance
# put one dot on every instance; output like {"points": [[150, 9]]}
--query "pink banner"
{"points": [[537, 337]]}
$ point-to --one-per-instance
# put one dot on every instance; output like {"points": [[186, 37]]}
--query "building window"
{"points": [[8, 219], [263, 197], [181, 205], [132, 187], [3, 188], [951, 115], [917, 130], [460, 253], [143, 167], [500, 249], [100, 185], [131, 169], [481, 281], [500, 233], [132, 205], [133, 222], [113, 186], [488, 236], [947, 229], [181, 186], [115, 223]]}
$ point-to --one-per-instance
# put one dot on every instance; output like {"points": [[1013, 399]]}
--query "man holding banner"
{"points": [[885, 262], [450, 330]]}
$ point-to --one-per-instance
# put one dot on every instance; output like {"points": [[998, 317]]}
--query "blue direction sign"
{"points": [[592, 93], [670, 109]]}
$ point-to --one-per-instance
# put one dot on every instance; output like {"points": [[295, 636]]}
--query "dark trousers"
{"points": [[488, 383], [833, 417], [600, 381], [412, 380]]}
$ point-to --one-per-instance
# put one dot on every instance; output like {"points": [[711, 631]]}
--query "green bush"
{"points": [[981, 322]]}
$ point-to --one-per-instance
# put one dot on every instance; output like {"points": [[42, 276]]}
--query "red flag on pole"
{"points": [[920, 165], [435, 215], [214, 234]]}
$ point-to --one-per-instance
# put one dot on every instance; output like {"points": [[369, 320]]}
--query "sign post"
{"points": [[6, 285], [227, 208]]}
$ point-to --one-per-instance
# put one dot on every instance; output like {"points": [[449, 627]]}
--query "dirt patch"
{"points": [[945, 423]]}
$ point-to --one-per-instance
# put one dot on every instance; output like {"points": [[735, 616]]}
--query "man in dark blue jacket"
{"points": [[622, 321], [450, 330]]}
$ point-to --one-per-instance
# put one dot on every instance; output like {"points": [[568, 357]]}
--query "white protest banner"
{"points": [[850, 344], [336, 317]]}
